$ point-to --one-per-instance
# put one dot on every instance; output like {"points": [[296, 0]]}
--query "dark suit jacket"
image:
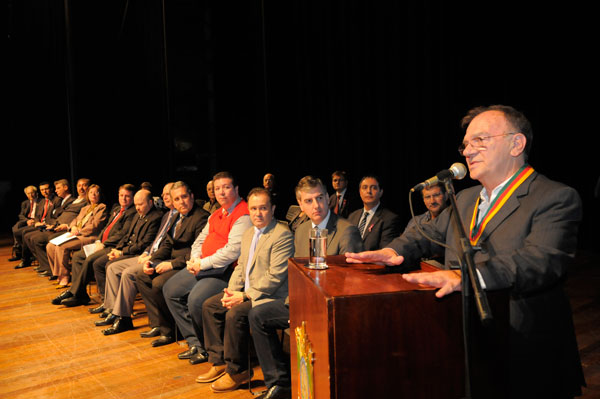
{"points": [[176, 249], [342, 237], [349, 203], [24, 213], [141, 232], [121, 226], [64, 213], [383, 227], [526, 247], [39, 211]]}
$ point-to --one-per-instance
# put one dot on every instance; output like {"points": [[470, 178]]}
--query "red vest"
{"points": [[219, 226]]}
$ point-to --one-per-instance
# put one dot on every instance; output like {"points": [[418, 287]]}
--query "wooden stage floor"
{"points": [[49, 351]]}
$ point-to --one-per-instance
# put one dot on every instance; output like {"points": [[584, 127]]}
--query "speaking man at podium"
{"points": [[524, 229]]}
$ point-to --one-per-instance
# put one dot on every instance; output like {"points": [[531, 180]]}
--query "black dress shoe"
{"points": [[110, 319], [45, 273], [14, 258], [192, 350], [98, 309], [52, 278], [199, 357], [74, 301], [277, 392], [62, 296], [122, 324], [162, 340], [23, 263], [153, 332]]}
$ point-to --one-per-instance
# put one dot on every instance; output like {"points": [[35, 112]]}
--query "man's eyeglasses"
{"points": [[479, 143]]}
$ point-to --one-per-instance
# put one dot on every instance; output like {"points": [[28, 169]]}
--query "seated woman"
{"points": [[81, 231]]}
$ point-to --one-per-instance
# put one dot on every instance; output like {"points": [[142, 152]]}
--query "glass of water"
{"points": [[317, 249]]}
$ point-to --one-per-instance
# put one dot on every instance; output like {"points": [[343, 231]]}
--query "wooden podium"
{"points": [[374, 335]]}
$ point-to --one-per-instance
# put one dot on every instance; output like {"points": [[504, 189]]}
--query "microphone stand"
{"points": [[469, 274]]}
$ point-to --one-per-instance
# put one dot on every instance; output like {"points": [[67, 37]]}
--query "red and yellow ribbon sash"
{"points": [[476, 229]]}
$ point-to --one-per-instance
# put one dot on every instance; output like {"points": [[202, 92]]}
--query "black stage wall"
{"points": [[129, 90]]}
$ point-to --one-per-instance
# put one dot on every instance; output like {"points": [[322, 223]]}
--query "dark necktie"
{"points": [[363, 223], [337, 203], [110, 226], [161, 234], [177, 226]]}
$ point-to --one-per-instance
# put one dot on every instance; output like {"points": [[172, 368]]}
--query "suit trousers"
{"points": [[59, 256], [120, 291], [226, 333], [264, 321], [100, 265], [20, 234], [151, 289], [17, 231], [82, 271], [36, 242], [184, 295]]}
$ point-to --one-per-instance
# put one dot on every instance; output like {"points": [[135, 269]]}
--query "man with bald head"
{"points": [[121, 288], [139, 235]]}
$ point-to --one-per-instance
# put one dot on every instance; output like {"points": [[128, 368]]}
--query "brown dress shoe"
{"points": [[231, 382], [214, 373]]}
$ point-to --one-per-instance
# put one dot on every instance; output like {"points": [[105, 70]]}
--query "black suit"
{"points": [[82, 266], [22, 219], [383, 227], [175, 248], [349, 203]]}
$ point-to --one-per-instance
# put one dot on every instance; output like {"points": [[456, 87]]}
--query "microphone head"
{"points": [[459, 171]]}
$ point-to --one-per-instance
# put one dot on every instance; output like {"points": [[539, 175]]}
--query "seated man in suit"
{"points": [[25, 218], [259, 278], [64, 211], [82, 262], [121, 288], [141, 233], [341, 201], [314, 202], [43, 209], [376, 224], [211, 263], [170, 260]]}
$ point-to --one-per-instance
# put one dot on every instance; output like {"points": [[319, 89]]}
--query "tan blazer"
{"points": [[94, 223], [268, 270]]}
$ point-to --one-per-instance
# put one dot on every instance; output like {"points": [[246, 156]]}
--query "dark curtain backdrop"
{"points": [[131, 91]]}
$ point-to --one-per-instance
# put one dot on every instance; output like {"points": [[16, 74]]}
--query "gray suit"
{"points": [[526, 247], [342, 237]]}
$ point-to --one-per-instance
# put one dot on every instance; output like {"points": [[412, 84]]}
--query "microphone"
{"points": [[457, 171]]}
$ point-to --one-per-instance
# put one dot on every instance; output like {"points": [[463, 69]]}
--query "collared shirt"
{"points": [[228, 253], [486, 201]]}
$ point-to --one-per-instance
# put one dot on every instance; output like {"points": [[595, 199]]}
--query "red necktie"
{"points": [[337, 204], [45, 210], [107, 230]]}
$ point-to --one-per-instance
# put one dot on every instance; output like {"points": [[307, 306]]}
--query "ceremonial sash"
{"points": [[476, 229]]}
